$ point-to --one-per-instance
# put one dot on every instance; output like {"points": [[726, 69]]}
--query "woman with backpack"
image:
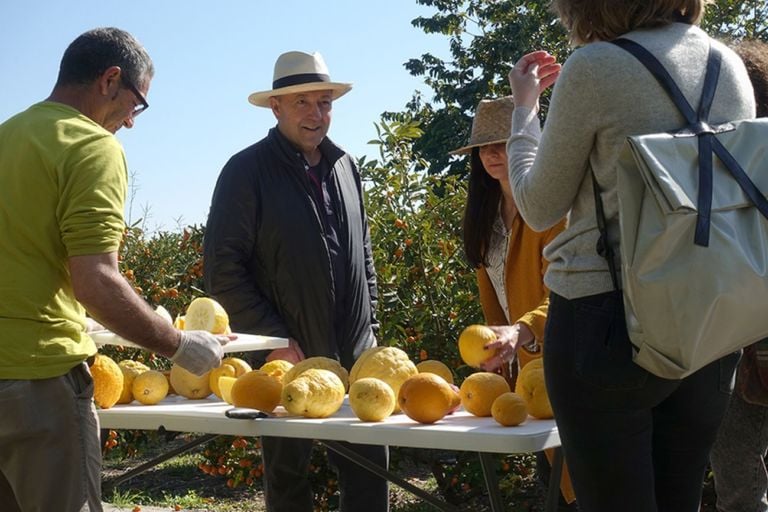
{"points": [[634, 441]]}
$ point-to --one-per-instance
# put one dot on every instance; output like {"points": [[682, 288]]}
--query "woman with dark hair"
{"points": [[633, 441], [506, 253]]}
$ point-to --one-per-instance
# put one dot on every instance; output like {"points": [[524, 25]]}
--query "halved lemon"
{"points": [[205, 314]]}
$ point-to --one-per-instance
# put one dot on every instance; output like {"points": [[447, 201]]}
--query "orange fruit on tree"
{"points": [[425, 397], [479, 390], [256, 390], [509, 409], [472, 341], [531, 386]]}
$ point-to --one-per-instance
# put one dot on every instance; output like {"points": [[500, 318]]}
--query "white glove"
{"points": [[199, 351]]}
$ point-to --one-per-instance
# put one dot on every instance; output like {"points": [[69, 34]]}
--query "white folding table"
{"points": [[459, 431]]}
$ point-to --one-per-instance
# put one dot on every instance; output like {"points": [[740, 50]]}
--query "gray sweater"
{"points": [[603, 95]]}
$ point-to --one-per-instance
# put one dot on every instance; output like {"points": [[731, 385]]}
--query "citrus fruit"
{"points": [[479, 390], [179, 322], [241, 366], [456, 403], [315, 393], [371, 399], [389, 364], [189, 385], [318, 362], [164, 314], [225, 386], [472, 341], [509, 409], [256, 390], [205, 314], [150, 387], [277, 368], [107, 381], [530, 385], [436, 367], [225, 370], [130, 369], [425, 397]]}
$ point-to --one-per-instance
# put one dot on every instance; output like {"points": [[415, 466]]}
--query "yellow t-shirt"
{"points": [[63, 181]]}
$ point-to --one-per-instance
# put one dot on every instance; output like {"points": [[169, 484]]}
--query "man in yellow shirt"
{"points": [[62, 192]]}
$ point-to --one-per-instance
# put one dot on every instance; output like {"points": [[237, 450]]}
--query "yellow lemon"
{"points": [[317, 362], [256, 390], [530, 385], [225, 370], [241, 367], [436, 367], [205, 314], [425, 397], [479, 390], [225, 386], [189, 385], [130, 370], [472, 341], [107, 381], [371, 399], [316, 393], [150, 387], [179, 322], [389, 364], [509, 409], [277, 368]]}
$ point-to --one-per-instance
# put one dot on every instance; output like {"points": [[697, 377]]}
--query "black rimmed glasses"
{"points": [[143, 105]]}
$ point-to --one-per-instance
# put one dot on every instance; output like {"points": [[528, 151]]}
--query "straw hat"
{"points": [[491, 124], [299, 72]]}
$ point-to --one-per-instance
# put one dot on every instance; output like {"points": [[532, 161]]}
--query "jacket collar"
{"points": [[330, 151]]}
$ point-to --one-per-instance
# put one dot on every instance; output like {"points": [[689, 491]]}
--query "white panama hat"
{"points": [[299, 72]]}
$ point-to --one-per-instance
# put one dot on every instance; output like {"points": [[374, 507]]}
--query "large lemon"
{"points": [[225, 386], [425, 397], [317, 362], [130, 369], [189, 385], [530, 385], [436, 367], [315, 393], [205, 314], [371, 399], [509, 409], [389, 364], [479, 390], [107, 381], [150, 387], [472, 341], [256, 390]]}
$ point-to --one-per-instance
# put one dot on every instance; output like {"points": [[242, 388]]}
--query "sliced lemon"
{"points": [[225, 370], [225, 386], [205, 314]]}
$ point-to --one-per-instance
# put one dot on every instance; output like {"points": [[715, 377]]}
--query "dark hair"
{"points": [[754, 53], [483, 198], [93, 52], [602, 20]]}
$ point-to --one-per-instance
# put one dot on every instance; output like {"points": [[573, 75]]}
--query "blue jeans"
{"points": [[634, 442]]}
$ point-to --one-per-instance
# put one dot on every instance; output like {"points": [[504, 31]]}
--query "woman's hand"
{"points": [[292, 353], [508, 339], [532, 75]]}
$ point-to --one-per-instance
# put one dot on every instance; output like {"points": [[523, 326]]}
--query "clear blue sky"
{"points": [[208, 57]]}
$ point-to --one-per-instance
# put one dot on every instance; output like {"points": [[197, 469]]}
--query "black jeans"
{"points": [[634, 442], [287, 487]]}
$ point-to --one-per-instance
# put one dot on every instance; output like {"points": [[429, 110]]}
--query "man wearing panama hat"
{"points": [[288, 253]]}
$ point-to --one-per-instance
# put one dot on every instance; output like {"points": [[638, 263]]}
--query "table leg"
{"points": [[491, 481], [388, 475], [107, 486], [553, 492]]}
